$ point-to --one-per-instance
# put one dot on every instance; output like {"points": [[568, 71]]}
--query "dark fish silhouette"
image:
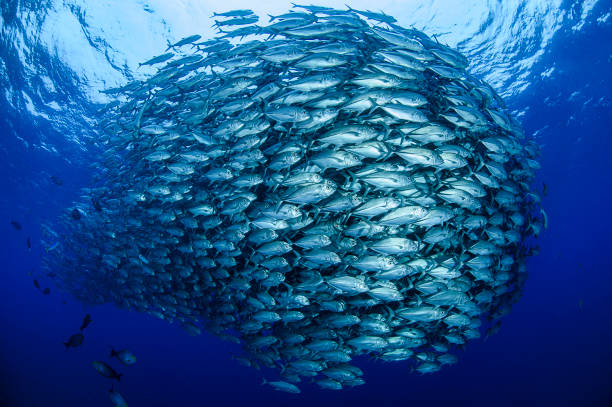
{"points": [[106, 371], [117, 398], [46, 291], [74, 341], [125, 356], [96, 204], [76, 215], [36, 284], [56, 180], [544, 189], [86, 322], [29, 242], [16, 224]]}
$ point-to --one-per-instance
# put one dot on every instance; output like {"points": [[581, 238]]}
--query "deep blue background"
{"points": [[553, 349]]}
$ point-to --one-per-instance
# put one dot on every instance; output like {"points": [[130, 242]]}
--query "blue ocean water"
{"points": [[552, 62]]}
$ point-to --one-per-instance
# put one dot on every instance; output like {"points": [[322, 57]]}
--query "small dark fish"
{"points": [[96, 204], [76, 215], [53, 247], [16, 224], [74, 341], [86, 322], [234, 13], [36, 284], [29, 242], [56, 180], [157, 59], [125, 356], [187, 40], [544, 189], [106, 371], [46, 291], [117, 398]]}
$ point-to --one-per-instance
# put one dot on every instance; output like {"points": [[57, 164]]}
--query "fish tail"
{"points": [[118, 377], [545, 218], [113, 352], [67, 345], [372, 109], [482, 162]]}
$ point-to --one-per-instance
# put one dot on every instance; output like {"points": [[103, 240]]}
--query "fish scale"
{"points": [[328, 189]]}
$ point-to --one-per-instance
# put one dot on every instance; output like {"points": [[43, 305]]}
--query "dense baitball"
{"points": [[340, 186]]}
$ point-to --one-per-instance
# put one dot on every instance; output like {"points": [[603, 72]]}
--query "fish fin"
{"points": [[390, 311], [385, 156], [372, 109], [482, 163], [346, 218], [366, 191], [67, 345], [278, 205], [289, 288], [297, 255], [118, 377], [544, 218], [113, 352], [350, 177]]}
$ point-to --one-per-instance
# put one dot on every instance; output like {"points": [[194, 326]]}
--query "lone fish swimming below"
{"points": [[105, 370]]}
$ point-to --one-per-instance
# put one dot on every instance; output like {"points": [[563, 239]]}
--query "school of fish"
{"points": [[335, 186]]}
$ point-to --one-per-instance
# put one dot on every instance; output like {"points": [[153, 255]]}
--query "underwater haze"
{"points": [[357, 241]]}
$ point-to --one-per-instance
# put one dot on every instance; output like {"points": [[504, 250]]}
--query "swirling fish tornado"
{"points": [[337, 186]]}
